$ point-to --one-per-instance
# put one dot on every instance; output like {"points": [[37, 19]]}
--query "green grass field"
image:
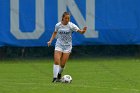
{"points": [[97, 75]]}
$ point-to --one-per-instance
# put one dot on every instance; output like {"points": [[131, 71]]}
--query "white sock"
{"points": [[60, 69], [55, 70]]}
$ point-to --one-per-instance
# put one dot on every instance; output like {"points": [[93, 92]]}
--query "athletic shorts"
{"points": [[63, 48]]}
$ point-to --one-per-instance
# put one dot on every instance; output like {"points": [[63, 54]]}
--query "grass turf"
{"points": [[97, 75]]}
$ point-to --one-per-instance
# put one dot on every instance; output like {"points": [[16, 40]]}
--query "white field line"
{"points": [[70, 85]]}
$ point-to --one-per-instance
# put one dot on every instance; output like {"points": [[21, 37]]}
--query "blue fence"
{"points": [[31, 22]]}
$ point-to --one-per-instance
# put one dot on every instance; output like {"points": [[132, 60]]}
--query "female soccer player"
{"points": [[63, 32]]}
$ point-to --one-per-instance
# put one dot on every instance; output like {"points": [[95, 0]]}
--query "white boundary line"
{"points": [[70, 85]]}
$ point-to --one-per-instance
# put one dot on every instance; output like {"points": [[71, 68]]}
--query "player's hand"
{"points": [[49, 43], [84, 29]]}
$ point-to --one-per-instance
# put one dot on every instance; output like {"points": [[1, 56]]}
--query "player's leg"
{"points": [[57, 57], [64, 58]]}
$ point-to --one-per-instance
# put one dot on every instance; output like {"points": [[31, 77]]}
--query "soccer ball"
{"points": [[66, 79]]}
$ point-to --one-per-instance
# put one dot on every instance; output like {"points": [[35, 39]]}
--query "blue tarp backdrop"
{"points": [[31, 22]]}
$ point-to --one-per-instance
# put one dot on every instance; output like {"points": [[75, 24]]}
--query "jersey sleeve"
{"points": [[56, 28], [74, 27]]}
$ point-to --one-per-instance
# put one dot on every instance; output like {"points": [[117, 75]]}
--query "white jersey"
{"points": [[64, 33]]}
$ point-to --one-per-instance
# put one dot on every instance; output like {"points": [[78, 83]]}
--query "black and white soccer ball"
{"points": [[66, 79]]}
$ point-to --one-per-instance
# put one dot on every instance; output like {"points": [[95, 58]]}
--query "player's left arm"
{"points": [[82, 31]]}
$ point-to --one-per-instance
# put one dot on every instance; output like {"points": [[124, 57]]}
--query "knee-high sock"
{"points": [[60, 70], [55, 70]]}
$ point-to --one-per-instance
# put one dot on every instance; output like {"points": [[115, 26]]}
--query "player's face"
{"points": [[66, 19]]}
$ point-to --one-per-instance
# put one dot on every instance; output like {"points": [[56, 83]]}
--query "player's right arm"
{"points": [[52, 38]]}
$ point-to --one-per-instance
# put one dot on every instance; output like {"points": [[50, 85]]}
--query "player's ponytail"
{"points": [[65, 13]]}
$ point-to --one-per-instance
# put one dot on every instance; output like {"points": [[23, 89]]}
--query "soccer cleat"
{"points": [[59, 76], [56, 80]]}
